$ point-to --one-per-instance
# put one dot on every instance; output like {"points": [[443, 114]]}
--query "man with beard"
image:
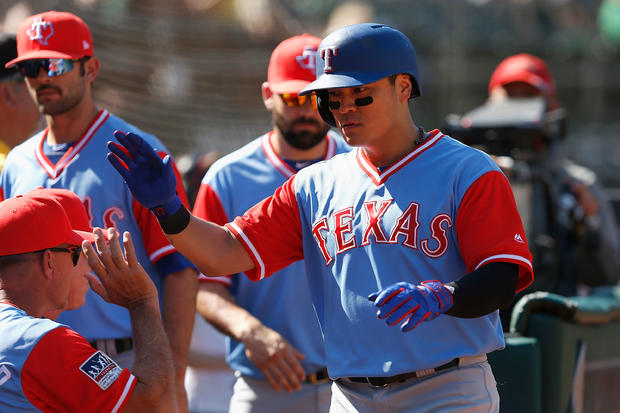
{"points": [[274, 340], [55, 56]]}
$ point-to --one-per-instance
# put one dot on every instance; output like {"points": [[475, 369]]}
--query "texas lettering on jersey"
{"points": [[404, 230]]}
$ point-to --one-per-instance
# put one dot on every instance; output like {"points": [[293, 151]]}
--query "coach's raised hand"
{"points": [[150, 178]]}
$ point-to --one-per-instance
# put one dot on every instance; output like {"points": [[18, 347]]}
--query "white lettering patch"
{"points": [[101, 369]]}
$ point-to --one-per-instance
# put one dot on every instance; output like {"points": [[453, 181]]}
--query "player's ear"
{"points": [[267, 96], [46, 262], [403, 87], [91, 68]]}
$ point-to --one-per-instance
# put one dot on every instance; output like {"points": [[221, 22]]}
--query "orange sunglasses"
{"points": [[293, 100]]}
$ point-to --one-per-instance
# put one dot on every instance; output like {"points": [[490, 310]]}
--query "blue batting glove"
{"points": [[150, 178], [411, 303]]}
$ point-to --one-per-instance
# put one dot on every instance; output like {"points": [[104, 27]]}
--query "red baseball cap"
{"points": [[525, 68], [292, 66], [71, 203], [52, 34], [33, 224]]}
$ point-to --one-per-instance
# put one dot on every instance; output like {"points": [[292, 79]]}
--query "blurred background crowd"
{"points": [[188, 70]]}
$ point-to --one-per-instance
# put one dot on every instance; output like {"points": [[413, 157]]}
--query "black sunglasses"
{"points": [[74, 251], [52, 66]]}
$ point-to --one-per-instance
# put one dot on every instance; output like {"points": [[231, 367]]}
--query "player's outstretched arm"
{"points": [[212, 248], [121, 280]]}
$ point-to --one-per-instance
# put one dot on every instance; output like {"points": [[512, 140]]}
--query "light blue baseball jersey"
{"points": [[440, 212], [84, 170], [232, 185], [44, 366]]}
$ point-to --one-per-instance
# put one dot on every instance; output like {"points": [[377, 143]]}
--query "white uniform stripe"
{"points": [[377, 178], [54, 171], [160, 252], [274, 159], [224, 279], [369, 169], [406, 159], [261, 264], [501, 257], [121, 399], [45, 164]]}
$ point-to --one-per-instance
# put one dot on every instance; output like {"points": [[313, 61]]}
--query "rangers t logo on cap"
{"points": [[38, 31], [307, 60]]}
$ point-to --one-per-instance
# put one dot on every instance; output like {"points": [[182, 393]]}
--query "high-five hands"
{"points": [[411, 304], [120, 278], [150, 178]]}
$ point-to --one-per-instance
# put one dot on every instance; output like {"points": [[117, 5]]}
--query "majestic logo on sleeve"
{"points": [[403, 230], [327, 53], [101, 369], [40, 31], [5, 374], [307, 60]]}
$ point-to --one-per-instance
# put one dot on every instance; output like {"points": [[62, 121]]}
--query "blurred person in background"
{"points": [[56, 58], [275, 345], [567, 216], [192, 167], [19, 115], [585, 225]]}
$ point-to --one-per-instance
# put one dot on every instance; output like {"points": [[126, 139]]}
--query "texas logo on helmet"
{"points": [[40, 31], [326, 54]]}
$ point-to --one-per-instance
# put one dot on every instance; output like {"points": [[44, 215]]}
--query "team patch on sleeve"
{"points": [[101, 369]]}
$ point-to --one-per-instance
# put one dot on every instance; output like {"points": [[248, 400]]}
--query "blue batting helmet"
{"points": [[358, 55]]}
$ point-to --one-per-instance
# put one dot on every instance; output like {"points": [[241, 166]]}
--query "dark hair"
{"points": [[10, 260], [82, 60]]}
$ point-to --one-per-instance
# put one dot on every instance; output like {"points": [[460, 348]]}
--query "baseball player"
{"points": [[46, 366], [55, 56], [19, 116], [278, 346], [410, 227]]}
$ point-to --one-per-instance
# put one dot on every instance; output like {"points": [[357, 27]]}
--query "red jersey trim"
{"points": [[10, 304], [162, 252], [126, 391], [282, 166], [330, 151], [54, 170], [258, 262], [379, 178]]}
